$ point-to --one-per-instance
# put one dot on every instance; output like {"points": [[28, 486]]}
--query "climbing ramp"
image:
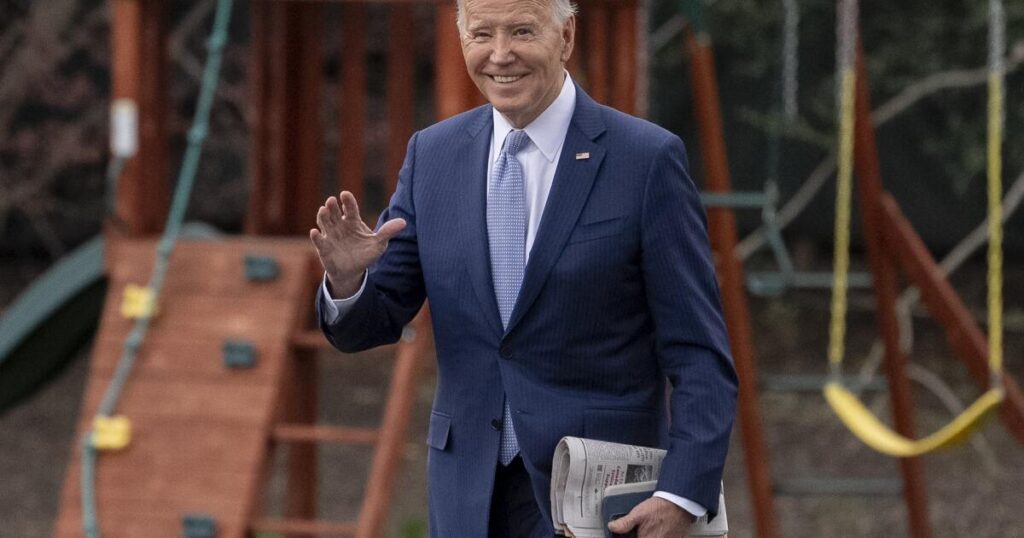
{"points": [[200, 414]]}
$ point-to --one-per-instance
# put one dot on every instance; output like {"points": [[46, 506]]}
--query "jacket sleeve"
{"points": [[690, 333], [394, 290]]}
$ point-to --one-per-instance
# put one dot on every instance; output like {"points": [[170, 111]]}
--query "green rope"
{"points": [[175, 218]]}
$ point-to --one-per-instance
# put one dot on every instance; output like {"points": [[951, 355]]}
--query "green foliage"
{"points": [[938, 144]]}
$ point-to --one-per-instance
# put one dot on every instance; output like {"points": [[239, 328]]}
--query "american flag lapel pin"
{"points": [[583, 156]]}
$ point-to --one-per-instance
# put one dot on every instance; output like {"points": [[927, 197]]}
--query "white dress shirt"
{"points": [[539, 158]]}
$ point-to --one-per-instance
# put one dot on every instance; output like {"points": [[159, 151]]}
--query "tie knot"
{"points": [[515, 142]]}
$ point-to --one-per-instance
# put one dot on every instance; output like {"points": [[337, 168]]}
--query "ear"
{"points": [[568, 38]]}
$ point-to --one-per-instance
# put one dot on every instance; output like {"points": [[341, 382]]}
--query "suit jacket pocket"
{"points": [[589, 231], [439, 430], [629, 426]]}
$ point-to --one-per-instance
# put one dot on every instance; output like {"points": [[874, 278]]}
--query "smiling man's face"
{"points": [[515, 53]]}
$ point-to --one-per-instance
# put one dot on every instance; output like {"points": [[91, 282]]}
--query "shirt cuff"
{"points": [[335, 309], [686, 504]]}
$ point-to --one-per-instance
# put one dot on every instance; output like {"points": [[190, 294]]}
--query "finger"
{"points": [[323, 219], [390, 229], [317, 238], [333, 210], [622, 525], [348, 203]]}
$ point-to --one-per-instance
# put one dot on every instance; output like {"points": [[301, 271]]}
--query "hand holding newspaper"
{"points": [[583, 468]]}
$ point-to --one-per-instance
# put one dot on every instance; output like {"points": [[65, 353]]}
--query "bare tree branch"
{"points": [[884, 113]]}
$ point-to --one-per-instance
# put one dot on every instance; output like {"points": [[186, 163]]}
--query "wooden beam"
{"points": [[390, 450], [625, 73], [287, 136], [268, 199], [869, 189], [256, 217], [962, 332], [454, 91], [300, 501], [305, 56], [305, 433], [303, 527], [138, 50], [352, 99], [598, 22], [724, 236], [401, 89]]}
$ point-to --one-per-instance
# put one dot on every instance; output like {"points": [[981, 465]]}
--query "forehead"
{"points": [[484, 11]]}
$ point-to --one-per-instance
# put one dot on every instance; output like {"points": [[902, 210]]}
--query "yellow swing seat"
{"points": [[858, 418], [872, 432]]}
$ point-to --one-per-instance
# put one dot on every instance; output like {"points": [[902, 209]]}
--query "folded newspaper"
{"points": [[583, 468]]}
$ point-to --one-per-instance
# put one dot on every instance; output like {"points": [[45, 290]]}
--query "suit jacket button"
{"points": [[506, 350], [496, 424]]}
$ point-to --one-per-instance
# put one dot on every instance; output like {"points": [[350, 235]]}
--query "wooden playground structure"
{"points": [[205, 427]]}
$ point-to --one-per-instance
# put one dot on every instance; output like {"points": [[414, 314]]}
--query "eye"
{"points": [[479, 35], [523, 31]]}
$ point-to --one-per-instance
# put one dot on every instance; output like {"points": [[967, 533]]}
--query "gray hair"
{"points": [[561, 10]]}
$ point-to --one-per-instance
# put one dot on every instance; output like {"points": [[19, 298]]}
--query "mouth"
{"points": [[506, 79]]}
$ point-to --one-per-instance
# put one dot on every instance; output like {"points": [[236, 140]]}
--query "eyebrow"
{"points": [[514, 24]]}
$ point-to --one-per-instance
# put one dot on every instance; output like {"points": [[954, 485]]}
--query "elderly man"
{"points": [[564, 251]]}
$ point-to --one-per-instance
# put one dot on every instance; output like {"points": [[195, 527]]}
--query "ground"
{"points": [[974, 490]]}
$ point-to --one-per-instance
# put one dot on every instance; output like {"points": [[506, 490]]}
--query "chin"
{"points": [[507, 106]]}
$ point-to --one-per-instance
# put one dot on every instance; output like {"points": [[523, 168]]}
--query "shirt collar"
{"points": [[548, 131]]}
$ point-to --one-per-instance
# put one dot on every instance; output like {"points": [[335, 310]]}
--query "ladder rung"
{"points": [[774, 282], [300, 433], [854, 487], [735, 200], [311, 339], [304, 527], [815, 383]]}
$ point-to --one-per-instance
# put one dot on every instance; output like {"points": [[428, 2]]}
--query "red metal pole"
{"points": [[352, 151], [869, 189], [723, 234]]}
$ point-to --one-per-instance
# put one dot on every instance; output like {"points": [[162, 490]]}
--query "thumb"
{"points": [[623, 524], [390, 229]]}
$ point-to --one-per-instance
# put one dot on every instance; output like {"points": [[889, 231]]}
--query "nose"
{"points": [[502, 53]]}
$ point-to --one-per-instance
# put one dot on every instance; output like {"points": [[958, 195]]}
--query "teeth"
{"points": [[505, 80]]}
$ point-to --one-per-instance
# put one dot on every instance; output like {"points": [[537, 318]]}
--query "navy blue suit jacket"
{"points": [[619, 294]]}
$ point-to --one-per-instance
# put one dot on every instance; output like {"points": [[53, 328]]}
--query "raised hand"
{"points": [[346, 245]]}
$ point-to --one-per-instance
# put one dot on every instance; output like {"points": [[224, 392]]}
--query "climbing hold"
{"points": [[198, 526], [139, 302], [239, 354], [261, 268], [111, 433]]}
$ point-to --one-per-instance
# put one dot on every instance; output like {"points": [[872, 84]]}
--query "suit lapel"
{"points": [[569, 192], [472, 174]]}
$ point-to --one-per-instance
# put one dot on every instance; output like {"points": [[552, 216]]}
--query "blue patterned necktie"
{"points": [[506, 228]]}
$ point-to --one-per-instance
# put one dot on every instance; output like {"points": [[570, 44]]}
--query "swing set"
{"points": [[857, 417], [889, 239]]}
